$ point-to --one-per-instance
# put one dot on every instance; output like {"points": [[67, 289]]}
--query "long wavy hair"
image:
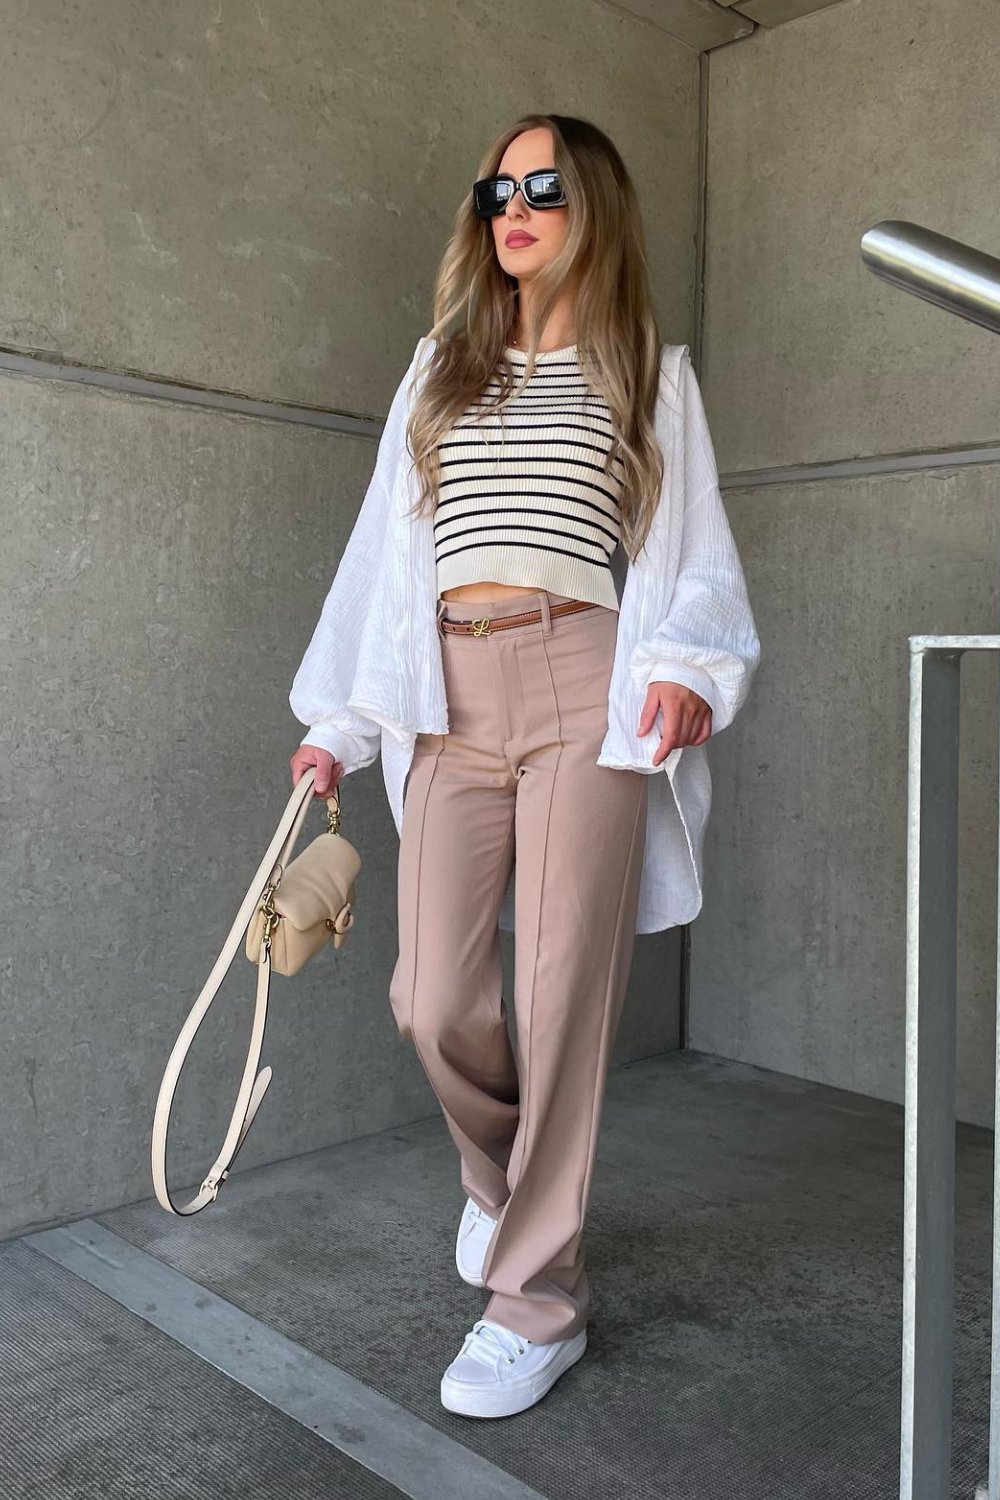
{"points": [[618, 343]]}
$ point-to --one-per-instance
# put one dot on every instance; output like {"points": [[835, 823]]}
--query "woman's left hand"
{"points": [[687, 718]]}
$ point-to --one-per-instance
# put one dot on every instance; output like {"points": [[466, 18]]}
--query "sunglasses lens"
{"points": [[491, 195], [544, 190]]}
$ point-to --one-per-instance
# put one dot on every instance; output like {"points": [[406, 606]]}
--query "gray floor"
{"points": [[744, 1247]]}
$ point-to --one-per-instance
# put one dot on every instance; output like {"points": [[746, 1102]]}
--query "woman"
{"points": [[564, 578]]}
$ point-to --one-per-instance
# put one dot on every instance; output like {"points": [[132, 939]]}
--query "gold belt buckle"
{"points": [[481, 627]]}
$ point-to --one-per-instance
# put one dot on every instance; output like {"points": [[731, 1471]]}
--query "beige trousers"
{"points": [[516, 776]]}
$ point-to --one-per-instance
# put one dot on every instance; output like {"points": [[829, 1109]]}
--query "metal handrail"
{"points": [[954, 276]]}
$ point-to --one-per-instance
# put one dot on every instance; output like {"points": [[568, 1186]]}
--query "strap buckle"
{"points": [[214, 1181]]}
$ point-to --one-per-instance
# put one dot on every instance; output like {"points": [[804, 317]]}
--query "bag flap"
{"points": [[316, 883]]}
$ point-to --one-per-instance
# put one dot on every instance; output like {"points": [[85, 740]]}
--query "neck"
{"points": [[560, 326]]}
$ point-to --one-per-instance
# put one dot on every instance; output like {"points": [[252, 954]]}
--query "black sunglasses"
{"points": [[541, 189]]}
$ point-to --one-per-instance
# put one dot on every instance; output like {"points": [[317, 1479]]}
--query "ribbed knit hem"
{"points": [[520, 356], [558, 575]]}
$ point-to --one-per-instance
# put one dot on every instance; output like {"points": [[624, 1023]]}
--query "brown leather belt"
{"points": [[486, 625]]}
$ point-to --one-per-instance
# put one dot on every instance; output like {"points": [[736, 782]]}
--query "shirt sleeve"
{"points": [[323, 682], [708, 640]]}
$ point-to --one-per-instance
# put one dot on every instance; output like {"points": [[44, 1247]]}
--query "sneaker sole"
{"points": [[471, 1402]]}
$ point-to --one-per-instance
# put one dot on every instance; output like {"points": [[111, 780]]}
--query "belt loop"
{"points": [[441, 606], [546, 617]]}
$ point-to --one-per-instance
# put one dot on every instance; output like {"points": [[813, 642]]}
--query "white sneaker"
{"points": [[498, 1372], [474, 1231]]}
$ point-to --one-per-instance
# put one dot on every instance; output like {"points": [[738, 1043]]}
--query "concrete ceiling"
{"points": [[703, 24]]}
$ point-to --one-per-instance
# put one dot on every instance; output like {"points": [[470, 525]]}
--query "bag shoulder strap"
{"points": [[253, 1085]]}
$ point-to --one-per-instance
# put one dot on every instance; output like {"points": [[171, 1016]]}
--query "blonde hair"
{"points": [[617, 339]]}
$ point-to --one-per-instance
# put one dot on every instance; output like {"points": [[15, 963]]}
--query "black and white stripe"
{"points": [[523, 498]]}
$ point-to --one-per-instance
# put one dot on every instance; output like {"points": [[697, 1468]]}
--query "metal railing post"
{"points": [[931, 1024], [929, 1162]]}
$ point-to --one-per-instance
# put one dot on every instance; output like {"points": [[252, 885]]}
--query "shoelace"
{"points": [[504, 1340]]}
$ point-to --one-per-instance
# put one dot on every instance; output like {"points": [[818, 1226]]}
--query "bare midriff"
{"points": [[486, 593]]}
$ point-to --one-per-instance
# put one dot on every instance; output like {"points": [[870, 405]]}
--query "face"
{"points": [[526, 239]]}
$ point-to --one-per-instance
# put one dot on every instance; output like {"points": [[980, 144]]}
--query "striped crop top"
{"points": [[522, 497]]}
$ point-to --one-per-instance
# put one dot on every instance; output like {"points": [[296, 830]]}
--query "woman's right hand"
{"points": [[328, 770]]}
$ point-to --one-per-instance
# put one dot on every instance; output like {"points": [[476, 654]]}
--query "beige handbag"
{"points": [[290, 912]]}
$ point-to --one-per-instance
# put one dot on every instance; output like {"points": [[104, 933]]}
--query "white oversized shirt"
{"points": [[372, 676]]}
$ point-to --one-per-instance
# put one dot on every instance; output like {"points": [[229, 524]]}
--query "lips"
{"points": [[518, 237]]}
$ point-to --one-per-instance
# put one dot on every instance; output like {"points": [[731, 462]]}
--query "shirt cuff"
{"points": [[350, 749]]}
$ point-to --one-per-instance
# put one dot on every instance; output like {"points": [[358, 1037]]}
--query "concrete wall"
{"points": [[253, 199], [871, 110]]}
